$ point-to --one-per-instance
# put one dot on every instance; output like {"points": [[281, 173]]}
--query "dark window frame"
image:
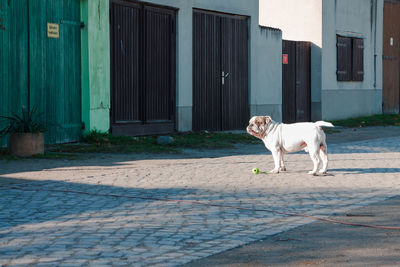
{"points": [[350, 58]]}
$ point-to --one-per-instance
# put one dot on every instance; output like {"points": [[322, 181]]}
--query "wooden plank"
{"points": [[358, 59], [14, 58], [303, 81], [391, 56], [206, 71], [126, 60], [159, 50], [289, 82], [18, 62], [4, 52]]}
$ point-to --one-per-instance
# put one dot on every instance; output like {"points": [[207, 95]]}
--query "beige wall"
{"points": [[319, 21], [299, 20], [361, 19]]}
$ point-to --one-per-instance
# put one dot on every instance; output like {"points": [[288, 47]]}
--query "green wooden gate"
{"points": [[40, 65]]}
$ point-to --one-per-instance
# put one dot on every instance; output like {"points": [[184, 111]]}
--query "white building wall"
{"points": [[299, 20], [355, 18], [265, 48], [319, 21]]}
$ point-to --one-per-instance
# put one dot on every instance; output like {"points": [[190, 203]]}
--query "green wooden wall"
{"points": [[38, 71]]}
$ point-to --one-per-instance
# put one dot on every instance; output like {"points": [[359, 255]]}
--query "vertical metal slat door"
{"points": [[206, 71], [142, 69], [289, 82], [303, 81], [296, 82], [125, 60], [160, 66], [220, 71], [234, 83]]}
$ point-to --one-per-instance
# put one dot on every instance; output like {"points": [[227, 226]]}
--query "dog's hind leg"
{"points": [[314, 155], [282, 167], [323, 154]]}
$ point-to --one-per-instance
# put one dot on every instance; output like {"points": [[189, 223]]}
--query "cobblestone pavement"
{"points": [[103, 211]]}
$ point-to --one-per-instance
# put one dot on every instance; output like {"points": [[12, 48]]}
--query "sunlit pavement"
{"points": [[117, 211]]}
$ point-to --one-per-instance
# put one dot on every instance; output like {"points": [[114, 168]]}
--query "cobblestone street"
{"points": [[112, 209]]}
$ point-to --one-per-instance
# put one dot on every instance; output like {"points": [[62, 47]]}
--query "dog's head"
{"points": [[258, 126]]}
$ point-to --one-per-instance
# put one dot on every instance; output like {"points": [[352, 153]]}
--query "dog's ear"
{"points": [[267, 119], [259, 121]]}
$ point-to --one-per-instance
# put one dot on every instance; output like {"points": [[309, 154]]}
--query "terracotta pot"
{"points": [[26, 144]]}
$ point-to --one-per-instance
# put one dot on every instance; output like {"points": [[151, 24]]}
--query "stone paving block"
{"points": [[76, 229]]}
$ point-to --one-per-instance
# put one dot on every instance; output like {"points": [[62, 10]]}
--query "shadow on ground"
{"points": [[366, 170], [324, 244]]}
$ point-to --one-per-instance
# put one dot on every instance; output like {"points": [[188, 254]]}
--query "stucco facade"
{"points": [[319, 22], [264, 57], [265, 45], [360, 19]]}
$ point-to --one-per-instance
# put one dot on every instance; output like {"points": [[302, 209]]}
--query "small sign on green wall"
{"points": [[53, 30]]}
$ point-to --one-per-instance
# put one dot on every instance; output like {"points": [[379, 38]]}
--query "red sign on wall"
{"points": [[285, 59]]}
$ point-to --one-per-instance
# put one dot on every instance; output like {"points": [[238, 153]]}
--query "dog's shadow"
{"points": [[365, 170]]}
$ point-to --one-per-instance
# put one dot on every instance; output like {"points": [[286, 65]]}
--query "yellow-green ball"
{"points": [[256, 171]]}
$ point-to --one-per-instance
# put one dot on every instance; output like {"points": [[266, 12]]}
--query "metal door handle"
{"points": [[223, 76]]}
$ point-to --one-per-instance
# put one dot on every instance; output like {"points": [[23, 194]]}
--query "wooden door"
{"points": [[42, 71], [234, 66], [391, 57], [55, 67], [142, 69], [296, 81], [220, 71], [206, 71], [303, 81], [14, 58]]}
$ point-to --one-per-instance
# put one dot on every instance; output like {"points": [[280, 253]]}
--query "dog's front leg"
{"points": [[282, 166], [276, 154]]}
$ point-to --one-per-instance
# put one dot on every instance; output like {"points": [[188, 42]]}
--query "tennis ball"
{"points": [[256, 171]]}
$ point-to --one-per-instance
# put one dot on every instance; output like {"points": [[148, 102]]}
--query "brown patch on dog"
{"points": [[303, 145], [260, 121]]}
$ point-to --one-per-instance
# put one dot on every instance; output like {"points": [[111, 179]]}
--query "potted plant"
{"points": [[26, 133]]}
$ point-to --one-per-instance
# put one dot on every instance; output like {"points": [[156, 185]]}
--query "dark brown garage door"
{"points": [[220, 71], [142, 69], [391, 56], [296, 81]]}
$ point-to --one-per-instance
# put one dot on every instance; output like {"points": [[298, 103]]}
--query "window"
{"points": [[350, 59]]}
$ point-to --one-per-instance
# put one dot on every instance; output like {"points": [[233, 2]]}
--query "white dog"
{"points": [[281, 138]]}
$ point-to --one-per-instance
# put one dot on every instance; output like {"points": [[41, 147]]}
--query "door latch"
{"points": [[223, 76]]}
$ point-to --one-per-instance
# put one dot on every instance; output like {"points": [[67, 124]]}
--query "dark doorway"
{"points": [[391, 55], [143, 47], [296, 81], [220, 71]]}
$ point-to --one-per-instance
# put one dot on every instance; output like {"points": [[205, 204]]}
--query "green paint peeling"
{"points": [[95, 52]]}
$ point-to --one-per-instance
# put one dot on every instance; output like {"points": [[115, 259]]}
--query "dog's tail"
{"points": [[324, 124]]}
